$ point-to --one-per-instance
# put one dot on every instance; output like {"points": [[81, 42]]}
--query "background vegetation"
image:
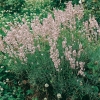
{"points": [[38, 79]]}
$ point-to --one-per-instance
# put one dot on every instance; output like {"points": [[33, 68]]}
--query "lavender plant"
{"points": [[55, 55]]}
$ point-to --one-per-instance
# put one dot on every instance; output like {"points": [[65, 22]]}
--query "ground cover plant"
{"points": [[57, 56]]}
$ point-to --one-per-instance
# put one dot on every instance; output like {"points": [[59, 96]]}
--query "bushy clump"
{"points": [[11, 5], [55, 54]]}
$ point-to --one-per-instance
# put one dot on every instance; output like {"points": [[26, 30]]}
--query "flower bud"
{"points": [[45, 98], [1, 89], [46, 85], [80, 46], [58, 95], [7, 80], [74, 53], [2, 66], [80, 1]]}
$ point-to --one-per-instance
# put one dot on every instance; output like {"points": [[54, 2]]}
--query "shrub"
{"points": [[11, 5], [55, 55]]}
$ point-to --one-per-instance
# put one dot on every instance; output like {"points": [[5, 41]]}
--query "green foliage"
{"points": [[11, 5], [62, 3]]}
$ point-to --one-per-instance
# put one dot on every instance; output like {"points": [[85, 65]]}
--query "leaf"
{"points": [[29, 92], [95, 88], [35, 98]]}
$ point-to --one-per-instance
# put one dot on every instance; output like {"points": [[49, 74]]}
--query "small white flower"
{"points": [[59, 95], [6, 71], [45, 98], [46, 85], [80, 1], [2, 66], [7, 80], [42, 54], [4, 82], [1, 89]]}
